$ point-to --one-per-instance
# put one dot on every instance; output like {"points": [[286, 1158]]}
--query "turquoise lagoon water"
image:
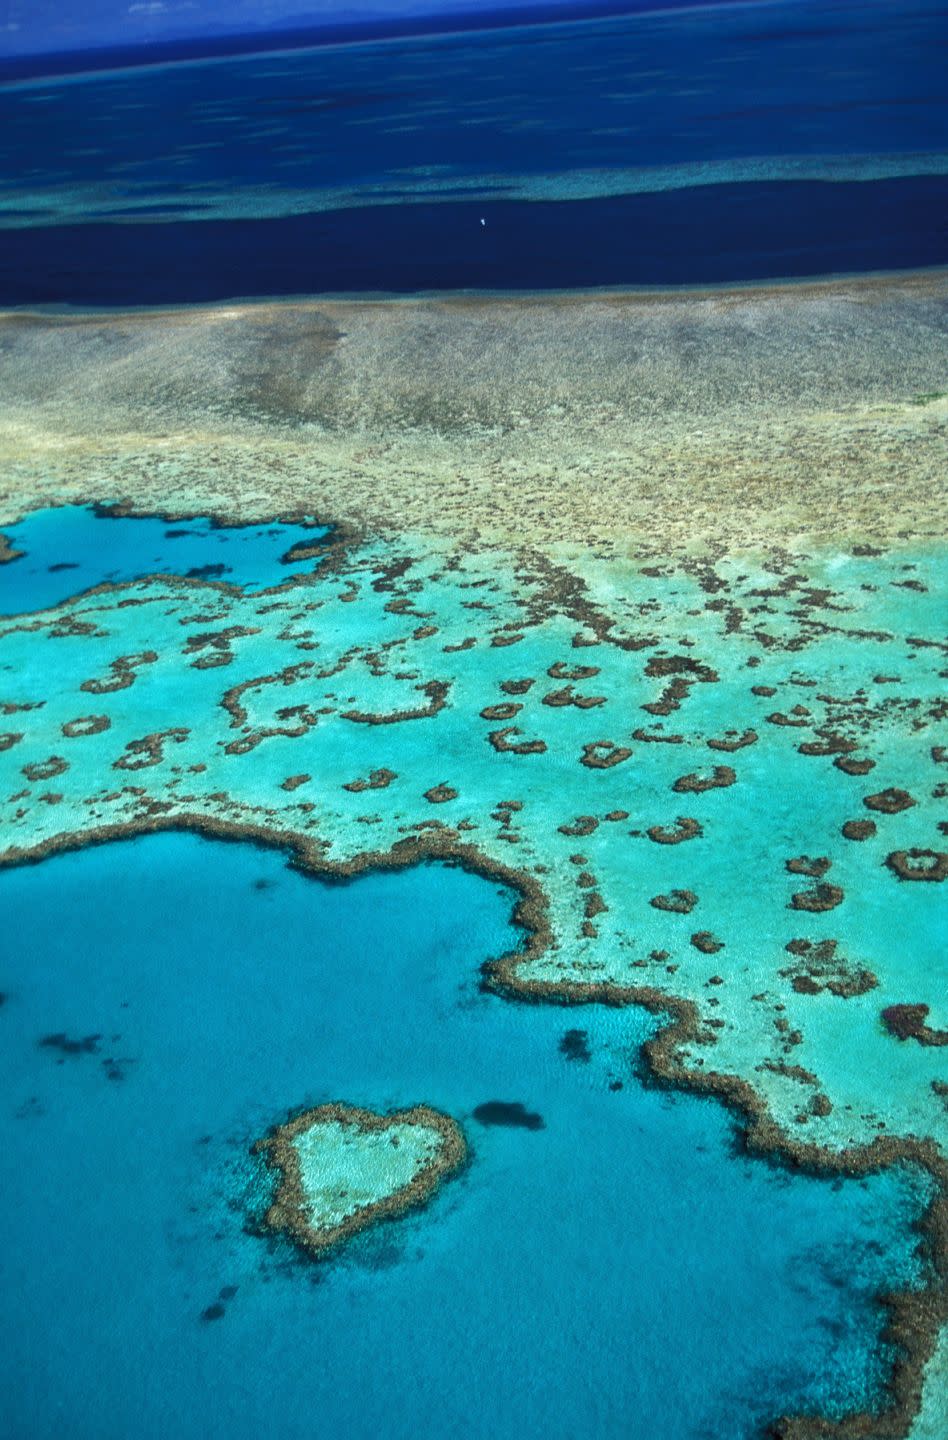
{"points": [[623, 1270], [67, 550]]}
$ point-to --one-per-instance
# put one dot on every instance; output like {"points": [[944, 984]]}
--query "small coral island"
{"points": [[343, 1169]]}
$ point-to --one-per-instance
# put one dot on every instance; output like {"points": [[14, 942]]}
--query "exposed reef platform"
{"points": [[728, 417]]}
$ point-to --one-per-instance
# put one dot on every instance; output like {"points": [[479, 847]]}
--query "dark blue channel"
{"points": [[705, 235]]}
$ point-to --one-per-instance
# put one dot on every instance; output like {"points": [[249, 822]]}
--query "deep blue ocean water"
{"points": [[68, 549], [726, 143], [620, 1271]]}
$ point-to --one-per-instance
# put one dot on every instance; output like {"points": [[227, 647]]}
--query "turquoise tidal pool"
{"points": [[612, 1264], [66, 550]]}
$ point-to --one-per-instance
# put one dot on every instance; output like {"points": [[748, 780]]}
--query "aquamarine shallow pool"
{"points": [[622, 1270]]}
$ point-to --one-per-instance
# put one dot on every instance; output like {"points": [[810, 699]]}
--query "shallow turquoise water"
{"points": [[68, 549], [621, 1271]]}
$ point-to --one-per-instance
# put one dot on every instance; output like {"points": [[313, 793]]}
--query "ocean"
{"points": [[693, 147]]}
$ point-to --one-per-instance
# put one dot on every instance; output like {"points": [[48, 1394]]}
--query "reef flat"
{"points": [[728, 418], [634, 603]]}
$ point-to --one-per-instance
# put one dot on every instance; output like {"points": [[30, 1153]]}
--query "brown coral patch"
{"points": [[806, 865], [819, 967], [582, 825], [516, 687], [719, 779], [437, 697], [829, 743], [731, 741], [302, 550], [293, 782], [149, 750], [46, 769], [821, 898], [561, 671], [849, 766], [15, 707], [706, 942], [85, 725], [8, 550], [438, 794], [657, 737], [662, 665], [567, 696], [670, 699], [916, 864], [679, 902], [219, 645], [859, 829], [377, 780], [503, 813], [616, 815], [69, 627], [684, 829], [501, 712], [9, 738], [122, 673], [909, 1022], [686, 672], [301, 716], [791, 1072], [889, 802], [504, 746], [595, 905], [603, 755], [793, 721]]}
